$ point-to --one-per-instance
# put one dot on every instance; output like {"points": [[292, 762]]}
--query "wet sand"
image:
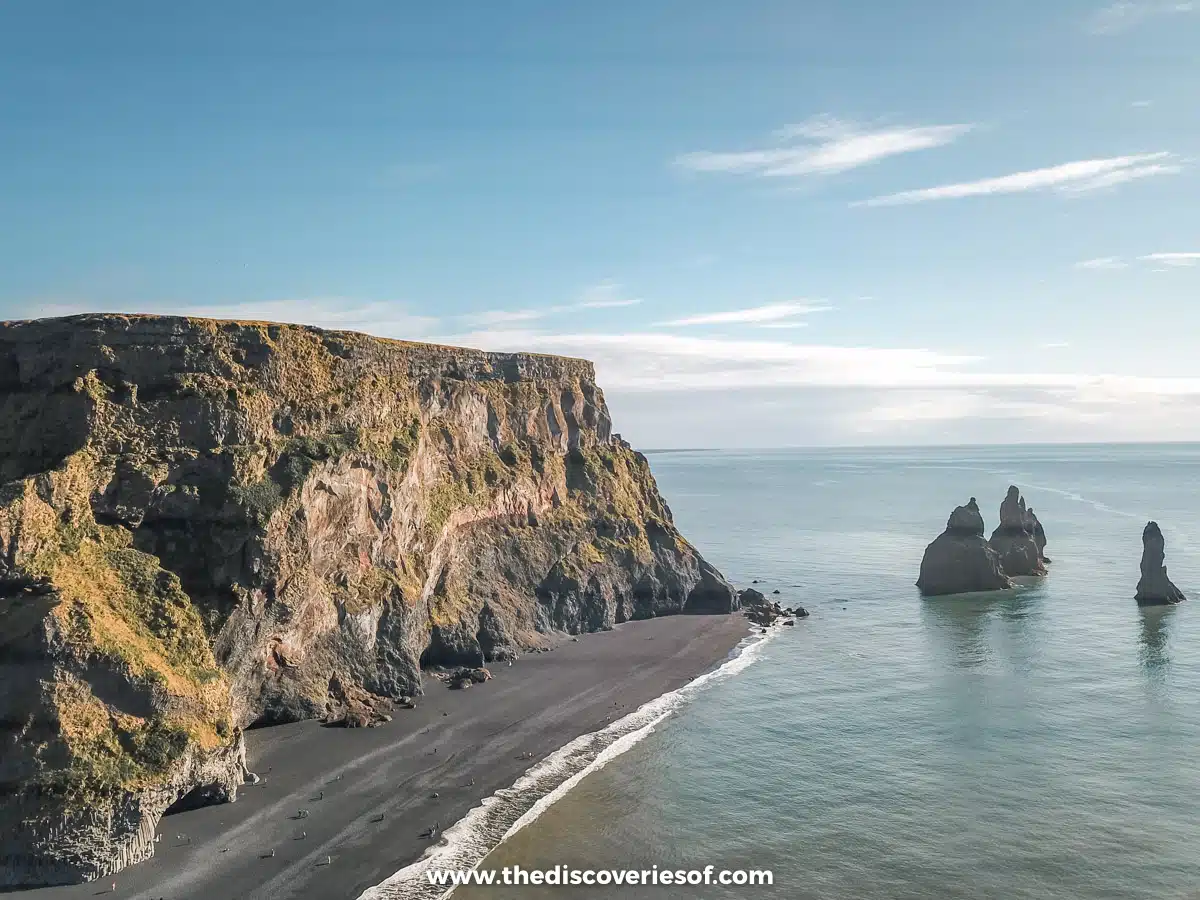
{"points": [[347, 778]]}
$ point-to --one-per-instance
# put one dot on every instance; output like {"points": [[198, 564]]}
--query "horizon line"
{"points": [[919, 446]]}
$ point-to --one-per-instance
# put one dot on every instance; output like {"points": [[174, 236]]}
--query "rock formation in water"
{"points": [[960, 560], [1154, 588], [206, 525], [1013, 539], [1034, 527]]}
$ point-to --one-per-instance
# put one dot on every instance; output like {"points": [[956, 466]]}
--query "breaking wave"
{"points": [[466, 843]]}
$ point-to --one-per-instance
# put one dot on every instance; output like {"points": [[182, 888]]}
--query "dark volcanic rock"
{"points": [[960, 560], [1154, 588], [750, 597], [1034, 526], [1013, 539], [209, 525]]}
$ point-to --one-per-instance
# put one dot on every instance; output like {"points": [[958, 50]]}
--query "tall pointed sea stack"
{"points": [[960, 560], [1154, 588], [1013, 538]]}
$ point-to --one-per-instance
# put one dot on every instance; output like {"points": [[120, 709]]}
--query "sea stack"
{"points": [[1154, 588], [1035, 528], [960, 560], [1013, 538]]}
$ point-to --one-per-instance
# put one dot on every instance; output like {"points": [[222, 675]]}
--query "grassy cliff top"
{"points": [[119, 330]]}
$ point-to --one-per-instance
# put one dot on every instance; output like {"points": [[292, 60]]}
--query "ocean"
{"points": [[1034, 743]]}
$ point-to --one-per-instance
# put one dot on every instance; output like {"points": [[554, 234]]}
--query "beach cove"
{"points": [[537, 705]]}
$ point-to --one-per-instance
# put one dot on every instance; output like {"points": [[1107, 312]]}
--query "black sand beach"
{"points": [[346, 778]]}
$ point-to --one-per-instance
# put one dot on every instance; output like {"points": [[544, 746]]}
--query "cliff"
{"points": [[207, 525]]}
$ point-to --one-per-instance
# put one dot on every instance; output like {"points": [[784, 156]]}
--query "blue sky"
{"points": [[769, 223]]}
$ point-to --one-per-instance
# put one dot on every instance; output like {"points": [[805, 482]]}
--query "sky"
{"points": [[768, 223]]}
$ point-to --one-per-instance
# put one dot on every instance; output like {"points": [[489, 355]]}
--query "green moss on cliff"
{"points": [[116, 612], [238, 417]]}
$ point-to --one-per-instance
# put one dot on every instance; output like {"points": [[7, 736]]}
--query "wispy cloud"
{"points": [[653, 361], [823, 146], [772, 315], [1075, 177], [1175, 260], [605, 295], [1159, 262], [1103, 262], [1054, 345], [1125, 14]]}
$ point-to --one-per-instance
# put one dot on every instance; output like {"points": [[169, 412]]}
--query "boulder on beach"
{"points": [[1154, 588], [1013, 538], [960, 560]]}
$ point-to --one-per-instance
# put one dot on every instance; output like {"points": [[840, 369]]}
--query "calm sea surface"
{"points": [[1037, 743]]}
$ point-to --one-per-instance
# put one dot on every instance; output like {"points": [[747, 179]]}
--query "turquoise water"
{"points": [[1033, 744]]}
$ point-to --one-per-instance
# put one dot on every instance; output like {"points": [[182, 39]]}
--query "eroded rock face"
{"points": [[1014, 541], [960, 560], [1034, 527], [206, 525], [1154, 588]]}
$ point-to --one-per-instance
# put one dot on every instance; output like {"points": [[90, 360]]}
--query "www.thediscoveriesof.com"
{"points": [[565, 875]]}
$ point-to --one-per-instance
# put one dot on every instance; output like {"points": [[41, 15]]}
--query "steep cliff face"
{"points": [[206, 525], [1015, 537], [960, 560]]}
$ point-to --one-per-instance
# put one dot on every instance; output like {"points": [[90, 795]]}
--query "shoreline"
{"points": [[463, 745]]}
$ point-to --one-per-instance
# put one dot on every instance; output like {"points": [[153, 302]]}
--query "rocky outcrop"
{"points": [[1034, 527], [206, 525], [82, 841], [1154, 588], [1014, 541], [751, 597], [960, 560]]}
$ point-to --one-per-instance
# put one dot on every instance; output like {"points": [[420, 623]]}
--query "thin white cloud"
{"points": [[658, 361], [655, 362], [1103, 263], [1174, 260], [504, 316], [605, 295], [772, 315], [1076, 177], [909, 408], [1126, 14], [1054, 345], [1120, 176], [824, 146], [1157, 262]]}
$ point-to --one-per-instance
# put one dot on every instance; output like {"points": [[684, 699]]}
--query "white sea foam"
{"points": [[466, 843]]}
